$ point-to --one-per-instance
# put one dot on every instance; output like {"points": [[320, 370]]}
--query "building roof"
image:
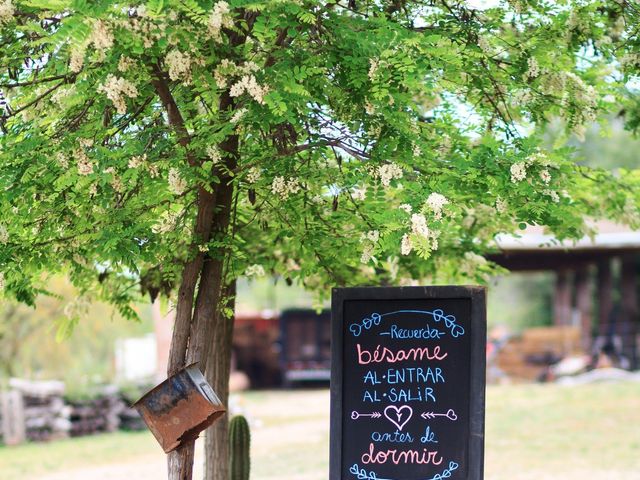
{"points": [[609, 236]]}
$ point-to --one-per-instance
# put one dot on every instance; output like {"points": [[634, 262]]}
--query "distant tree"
{"points": [[37, 342], [169, 145]]}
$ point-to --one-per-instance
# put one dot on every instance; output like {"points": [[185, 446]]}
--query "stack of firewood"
{"points": [[98, 415], [38, 411], [131, 420], [46, 416]]}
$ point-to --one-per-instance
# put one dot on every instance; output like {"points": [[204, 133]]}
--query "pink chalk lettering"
{"points": [[383, 354], [424, 457]]}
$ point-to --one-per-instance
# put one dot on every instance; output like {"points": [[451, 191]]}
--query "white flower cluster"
{"points": [[545, 176], [485, 46], [553, 194], [359, 193], [436, 203], [116, 89], [249, 84], [445, 145], [374, 64], [137, 161], [419, 225], [220, 18], [518, 172], [154, 171], [417, 151], [2, 282], [179, 64], [177, 184], [406, 207], [284, 188], [367, 253], [60, 96], [253, 175], [539, 158], [76, 59], [214, 154], [521, 97], [116, 183], [471, 263], [101, 36], [630, 60], [369, 239], [222, 71], [389, 172], [125, 63], [85, 165], [371, 235], [533, 69], [4, 234], [406, 246], [369, 108], [237, 116], [167, 222], [62, 159], [501, 205], [254, 271], [85, 142], [6, 11]]}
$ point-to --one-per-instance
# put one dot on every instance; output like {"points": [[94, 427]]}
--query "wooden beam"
{"points": [[629, 295], [562, 299], [604, 293], [584, 305]]}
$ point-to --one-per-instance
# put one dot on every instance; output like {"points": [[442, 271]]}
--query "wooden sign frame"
{"points": [[477, 296]]}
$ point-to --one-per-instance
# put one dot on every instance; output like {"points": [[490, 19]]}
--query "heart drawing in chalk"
{"points": [[398, 416]]}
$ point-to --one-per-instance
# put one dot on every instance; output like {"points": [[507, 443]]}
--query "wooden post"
{"points": [[605, 301], [13, 423], [584, 305], [629, 294], [562, 299]]}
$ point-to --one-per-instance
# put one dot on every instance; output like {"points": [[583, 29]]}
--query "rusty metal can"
{"points": [[179, 408]]}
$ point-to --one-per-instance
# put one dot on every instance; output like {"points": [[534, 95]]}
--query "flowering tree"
{"points": [[170, 146]]}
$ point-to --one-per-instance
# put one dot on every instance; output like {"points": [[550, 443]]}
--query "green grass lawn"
{"points": [[533, 432]]}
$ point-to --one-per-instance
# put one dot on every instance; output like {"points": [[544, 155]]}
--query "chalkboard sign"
{"points": [[407, 383]]}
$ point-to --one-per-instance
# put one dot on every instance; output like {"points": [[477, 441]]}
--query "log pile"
{"points": [[130, 419], [98, 415], [38, 411], [46, 416]]}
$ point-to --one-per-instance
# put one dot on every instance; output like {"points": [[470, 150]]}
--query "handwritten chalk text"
{"points": [[395, 437], [428, 332], [424, 457], [383, 354]]}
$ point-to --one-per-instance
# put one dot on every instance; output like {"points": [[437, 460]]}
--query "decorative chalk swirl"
{"points": [[449, 321], [438, 315], [447, 473], [366, 324], [362, 474]]}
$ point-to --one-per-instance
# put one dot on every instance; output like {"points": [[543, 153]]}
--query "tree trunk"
{"points": [[180, 462], [218, 370], [199, 325]]}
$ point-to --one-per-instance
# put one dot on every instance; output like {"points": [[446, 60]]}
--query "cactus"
{"points": [[239, 441]]}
